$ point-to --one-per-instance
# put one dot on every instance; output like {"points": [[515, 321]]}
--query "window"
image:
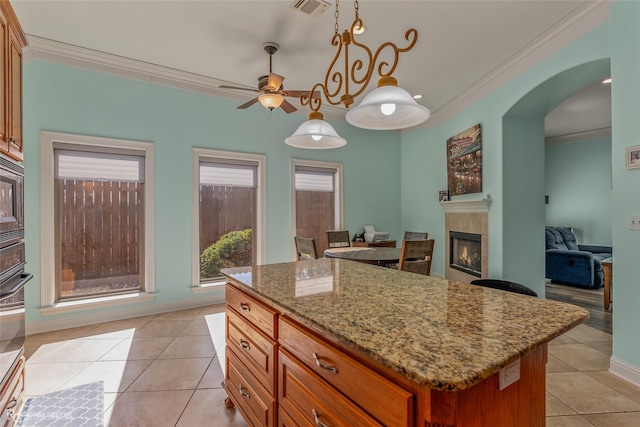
{"points": [[317, 195], [97, 238], [229, 213]]}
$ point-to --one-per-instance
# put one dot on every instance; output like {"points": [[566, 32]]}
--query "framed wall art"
{"points": [[633, 157], [464, 162]]}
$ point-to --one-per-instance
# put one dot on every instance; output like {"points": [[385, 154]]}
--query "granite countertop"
{"points": [[441, 334]]}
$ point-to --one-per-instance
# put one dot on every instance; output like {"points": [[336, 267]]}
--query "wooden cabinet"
{"points": [[12, 41], [11, 396], [250, 362]]}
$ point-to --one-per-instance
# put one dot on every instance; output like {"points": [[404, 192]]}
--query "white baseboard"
{"points": [[53, 324], [625, 371]]}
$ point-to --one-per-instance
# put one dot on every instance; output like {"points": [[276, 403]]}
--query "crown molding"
{"points": [[586, 135], [586, 17], [93, 60]]}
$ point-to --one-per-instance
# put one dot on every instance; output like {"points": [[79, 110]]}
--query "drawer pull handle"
{"points": [[244, 306], [12, 403], [243, 393], [323, 366], [244, 344], [317, 419]]}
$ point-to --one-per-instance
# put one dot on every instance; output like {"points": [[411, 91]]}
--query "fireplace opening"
{"points": [[465, 252]]}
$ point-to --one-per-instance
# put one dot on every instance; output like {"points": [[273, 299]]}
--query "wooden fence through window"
{"points": [[101, 227], [315, 214]]}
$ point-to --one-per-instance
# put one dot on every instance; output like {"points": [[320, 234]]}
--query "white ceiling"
{"points": [[460, 42]]}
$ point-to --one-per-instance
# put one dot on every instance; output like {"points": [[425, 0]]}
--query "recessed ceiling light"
{"points": [[417, 96], [607, 81]]}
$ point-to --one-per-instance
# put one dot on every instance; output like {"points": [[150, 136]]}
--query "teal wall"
{"points": [[625, 111], [70, 100], [578, 183], [613, 46]]}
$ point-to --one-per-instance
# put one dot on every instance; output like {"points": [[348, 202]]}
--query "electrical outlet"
{"points": [[509, 375], [634, 222]]}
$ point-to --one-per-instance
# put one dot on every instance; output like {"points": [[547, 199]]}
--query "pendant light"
{"points": [[387, 107], [315, 134]]}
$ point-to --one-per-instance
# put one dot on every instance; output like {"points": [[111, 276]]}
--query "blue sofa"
{"points": [[571, 264]]}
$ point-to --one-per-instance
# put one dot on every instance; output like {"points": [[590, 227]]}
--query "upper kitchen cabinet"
{"points": [[12, 41]]}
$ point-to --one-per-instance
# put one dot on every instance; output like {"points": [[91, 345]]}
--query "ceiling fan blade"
{"points": [[287, 107], [275, 81], [237, 88], [247, 104], [298, 93]]}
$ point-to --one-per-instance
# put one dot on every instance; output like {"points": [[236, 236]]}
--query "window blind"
{"points": [[98, 166], [228, 174]]}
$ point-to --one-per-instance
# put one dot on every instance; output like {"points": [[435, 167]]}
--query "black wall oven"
{"points": [[13, 277]]}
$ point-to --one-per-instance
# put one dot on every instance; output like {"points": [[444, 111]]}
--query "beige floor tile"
{"points": [[189, 346], [79, 351], [602, 347], [216, 325], [208, 405], [138, 348], [109, 399], [171, 374], [116, 375], [196, 327], [35, 349], [212, 309], [213, 376], [617, 384], [42, 378], [555, 407], [145, 409], [629, 419], [63, 334], [568, 421], [188, 314], [585, 395], [556, 365], [584, 333], [117, 329], [562, 339], [161, 328], [580, 356]]}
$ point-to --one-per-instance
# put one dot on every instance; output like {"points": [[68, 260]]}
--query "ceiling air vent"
{"points": [[310, 7]]}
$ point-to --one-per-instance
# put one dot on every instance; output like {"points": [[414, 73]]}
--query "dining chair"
{"points": [[505, 285], [416, 255], [338, 238], [306, 248], [415, 235]]}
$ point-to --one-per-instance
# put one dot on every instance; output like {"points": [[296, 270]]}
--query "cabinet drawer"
{"points": [[390, 404], [256, 350], [308, 399], [12, 395], [254, 401], [246, 306], [284, 420]]}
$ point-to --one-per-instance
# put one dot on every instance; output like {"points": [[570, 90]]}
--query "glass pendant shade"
{"points": [[388, 107], [270, 100], [315, 134]]}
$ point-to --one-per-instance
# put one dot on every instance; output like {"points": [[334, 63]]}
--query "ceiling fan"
{"points": [[270, 88]]}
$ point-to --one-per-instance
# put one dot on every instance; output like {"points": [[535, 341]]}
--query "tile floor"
{"points": [[165, 370]]}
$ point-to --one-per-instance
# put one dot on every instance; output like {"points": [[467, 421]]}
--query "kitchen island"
{"points": [[331, 342]]}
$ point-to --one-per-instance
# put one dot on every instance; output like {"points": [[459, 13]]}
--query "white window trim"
{"points": [[261, 209], [47, 223], [339, 208]]}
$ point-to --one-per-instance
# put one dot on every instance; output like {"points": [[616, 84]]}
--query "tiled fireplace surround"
{"points": [[467, 217]]}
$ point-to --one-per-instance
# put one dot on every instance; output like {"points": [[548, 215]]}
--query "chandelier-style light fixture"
{"points": [[387, 107]]}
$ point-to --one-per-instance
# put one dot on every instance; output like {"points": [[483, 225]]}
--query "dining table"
{"points": [[376, 256]]}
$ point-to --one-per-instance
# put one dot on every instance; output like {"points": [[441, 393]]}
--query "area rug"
{"points": [[81, 406]]}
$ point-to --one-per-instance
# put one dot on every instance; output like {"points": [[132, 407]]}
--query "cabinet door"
{"points": [[15, 96], [4, 89]]}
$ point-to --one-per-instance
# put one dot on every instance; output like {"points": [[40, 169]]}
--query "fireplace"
{"points": [[465, 252]]}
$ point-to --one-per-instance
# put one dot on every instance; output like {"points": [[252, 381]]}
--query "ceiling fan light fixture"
{"points": [[315, 134], [270, 100], [388, 107]]}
